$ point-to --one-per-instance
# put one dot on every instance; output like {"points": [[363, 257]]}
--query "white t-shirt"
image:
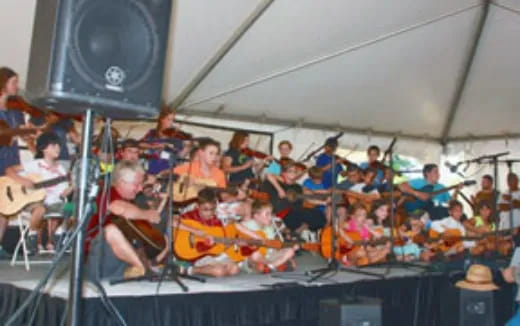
{"points": [[504, 216], [46, 172], [254, 226], [449, 222], [358, 187]]}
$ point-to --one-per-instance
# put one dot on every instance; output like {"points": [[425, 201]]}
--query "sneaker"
{"points": [[32, 244], [4, 255]]}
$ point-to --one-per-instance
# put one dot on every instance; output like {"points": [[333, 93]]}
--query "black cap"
{"points": [[44, 140], [332, 142]]}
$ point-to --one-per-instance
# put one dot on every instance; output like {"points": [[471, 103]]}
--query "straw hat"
{"points": [[478, 278]]}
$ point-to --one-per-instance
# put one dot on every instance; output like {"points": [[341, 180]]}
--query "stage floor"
{"points": [[59, 287], [408, 296]]}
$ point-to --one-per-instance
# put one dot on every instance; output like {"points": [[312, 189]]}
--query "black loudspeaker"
{"points": [[106, 55], [468, 308], [346, 312]]}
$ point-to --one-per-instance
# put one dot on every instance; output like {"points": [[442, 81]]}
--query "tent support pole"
{"points": [[461, 85], [221, 52]]}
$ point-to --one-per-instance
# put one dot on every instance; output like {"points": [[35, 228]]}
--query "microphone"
{"points": [[453, 168]]}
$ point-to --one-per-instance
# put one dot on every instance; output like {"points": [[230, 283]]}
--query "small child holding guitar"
{"points": [[260, 227], [205, 214]]}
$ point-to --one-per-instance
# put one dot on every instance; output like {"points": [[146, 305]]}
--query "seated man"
{"points": [[111, 250]]}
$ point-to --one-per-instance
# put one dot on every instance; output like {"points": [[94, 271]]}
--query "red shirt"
{"points": [[101, 210], [194, 215]]}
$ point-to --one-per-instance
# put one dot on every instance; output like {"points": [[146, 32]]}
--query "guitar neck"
{"points": [[50, 182]]}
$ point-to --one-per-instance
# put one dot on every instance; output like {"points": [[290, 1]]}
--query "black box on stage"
{"points": [[468, 308], [105, 55], [350, 312]]}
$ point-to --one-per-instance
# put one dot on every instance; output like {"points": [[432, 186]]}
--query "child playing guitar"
{"points": [[261, 223], [205, 215]]}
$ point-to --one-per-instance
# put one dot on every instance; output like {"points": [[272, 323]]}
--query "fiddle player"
{"points": [[9, 154], [324, 161], [373, 153], [237, 164]]}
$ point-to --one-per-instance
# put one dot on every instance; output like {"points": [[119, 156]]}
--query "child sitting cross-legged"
{"points": [[272, 259]]}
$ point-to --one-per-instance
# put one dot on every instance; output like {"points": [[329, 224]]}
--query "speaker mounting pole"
{"points": [[74, 316]]}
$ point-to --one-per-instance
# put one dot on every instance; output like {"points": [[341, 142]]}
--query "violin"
{"points": [[18, 103], [177, 133], [256, 154]]}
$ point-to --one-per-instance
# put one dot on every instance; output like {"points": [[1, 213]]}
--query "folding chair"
{"points": [[23, 220]]}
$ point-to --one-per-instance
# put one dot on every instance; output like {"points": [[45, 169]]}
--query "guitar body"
{"points": [[342, 246], [186, 189], [14, 197], [239, 253], [188, 246], [141, 230], [449, 240]]}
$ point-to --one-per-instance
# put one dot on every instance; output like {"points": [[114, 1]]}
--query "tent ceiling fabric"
{"points": [[364, 88], [370, 64], [198, 28], [490, 100]]}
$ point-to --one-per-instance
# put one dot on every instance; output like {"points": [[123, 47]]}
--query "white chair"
{"points": [[23, 220], [278, 226]]}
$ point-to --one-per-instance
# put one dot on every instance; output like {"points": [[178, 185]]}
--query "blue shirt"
{"points": [[326, 159], [419, 183], [10, 155], [380, 175], [309, 184], [274, 168]]}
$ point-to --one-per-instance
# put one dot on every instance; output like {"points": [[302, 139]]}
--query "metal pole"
{"points": [[74, 316]]}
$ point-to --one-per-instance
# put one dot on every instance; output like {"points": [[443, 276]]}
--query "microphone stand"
{"points": [[493, 160], [333, 266], [171, 268]]}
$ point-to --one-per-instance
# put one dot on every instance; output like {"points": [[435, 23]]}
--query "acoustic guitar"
{"points": [[186, 188], [188, 246], [142, 231], [14, 196], [416, 203]]}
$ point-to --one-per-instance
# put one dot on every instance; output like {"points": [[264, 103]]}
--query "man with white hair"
{"points": [[109, 251]]}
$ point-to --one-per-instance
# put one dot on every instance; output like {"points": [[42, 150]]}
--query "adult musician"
{"points": [[238, 166], [486, 193], [159, 143], [110, 250], [373, 153], [204, 163], [324, 161], [430, 178], [9, 155], [509, 204]]}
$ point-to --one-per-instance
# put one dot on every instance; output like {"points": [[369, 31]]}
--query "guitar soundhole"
{"points": [[9, 194], [24, 191]]}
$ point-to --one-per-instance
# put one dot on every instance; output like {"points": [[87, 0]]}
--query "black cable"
{"points": [[109, 306], [36, 291]]}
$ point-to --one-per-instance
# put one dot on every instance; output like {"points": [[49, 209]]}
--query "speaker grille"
{"points": [[114, 43]]}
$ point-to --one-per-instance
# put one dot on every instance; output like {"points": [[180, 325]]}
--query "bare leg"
{"points": [[3, 227], [122, 249], [215, 270], [37, 212]]}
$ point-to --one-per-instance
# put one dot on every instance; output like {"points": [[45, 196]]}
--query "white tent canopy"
{"points": [[430, 70]]}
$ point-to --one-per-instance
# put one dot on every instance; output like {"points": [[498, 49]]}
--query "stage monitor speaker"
{"points": [[468, 308], [105, 55], [350, 312]]}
